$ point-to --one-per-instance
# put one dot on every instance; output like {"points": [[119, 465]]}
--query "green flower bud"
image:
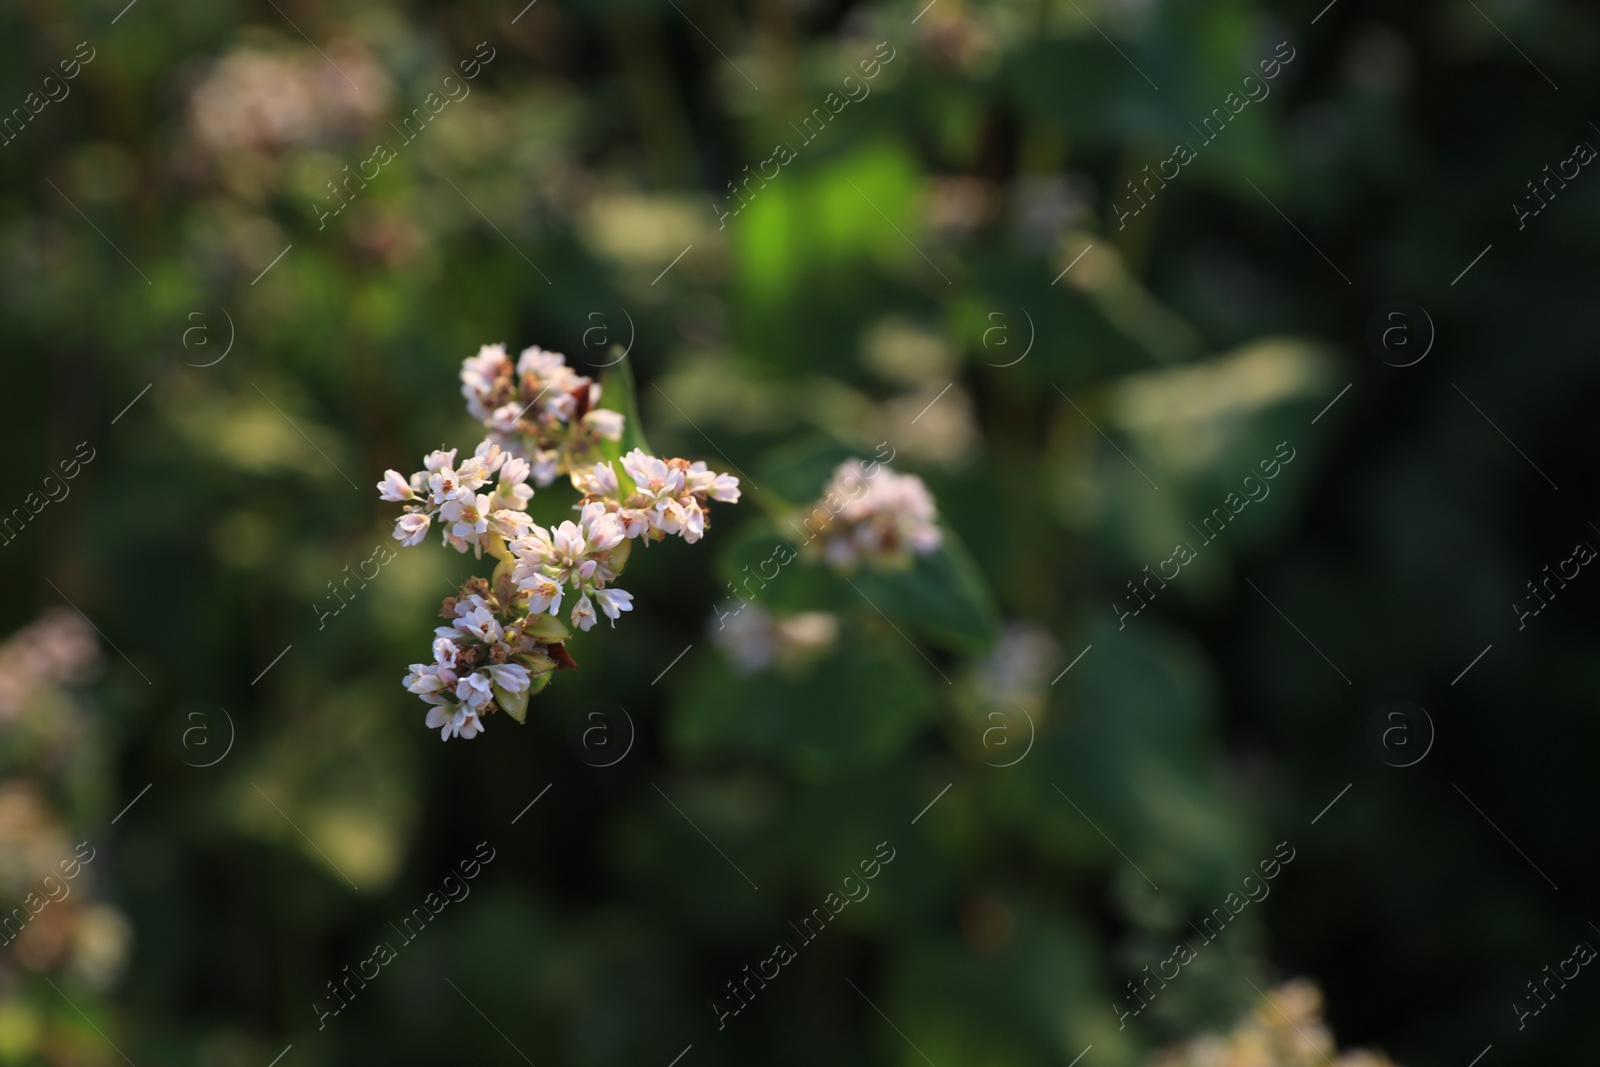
{"points": [[547, 629]]}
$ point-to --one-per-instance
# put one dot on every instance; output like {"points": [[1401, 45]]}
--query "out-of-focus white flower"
{"points": [[875, 515], [1021, 663], [481, 377], [755, 640], [59, 648], [542, 363], [608, 424], [583, 614], [265, 101]]}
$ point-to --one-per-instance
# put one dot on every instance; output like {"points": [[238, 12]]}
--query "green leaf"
{"points": [[618, 392], [851, 711], [943, 597]]}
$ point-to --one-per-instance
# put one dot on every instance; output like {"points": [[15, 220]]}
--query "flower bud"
{"points": [[513, 704], [547, 629]]}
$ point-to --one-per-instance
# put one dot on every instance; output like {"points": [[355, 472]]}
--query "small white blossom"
{"points": [[599, 480], [544, 593], [474, 690], [613, 602], [439, 458], [511, 677], [411, 529], [721, 487], [394, 487], [583, 614]]}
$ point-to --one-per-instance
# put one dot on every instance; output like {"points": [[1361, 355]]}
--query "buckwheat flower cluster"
{"points": [[667, 496], [504, 640], [450, 495], [490, 657], [540, 410], [871, 514]]}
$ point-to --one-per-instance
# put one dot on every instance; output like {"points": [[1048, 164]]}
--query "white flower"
{"points": [[466, 723], [652, 475], [474, 473], [440, 718], [613, 602], [445, 651], [546, 465], [723, 487], [634, 521], [411, 529], [513, 491], [480, 376], [458, 720], [468, 513], [607, 424], [438, 458], [544, 593], [541, 363], [425, 678], [474, 690], [599, 480], [601, 530], [443, 484], [507, 523], [583, 614], [533, 549], [480, 623], [394, 487], [511, 677], [568, 551]]}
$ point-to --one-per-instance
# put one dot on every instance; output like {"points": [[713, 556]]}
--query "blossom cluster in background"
{"points": [[755, 640], [871, 514], [1287, 1031], [55, 923], [58, 649], [264, 100]]}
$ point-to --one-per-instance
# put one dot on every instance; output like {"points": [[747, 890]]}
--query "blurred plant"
{"points": [[758, 640], [52, 922], [870, 514], [1286, 1031], [503, 643]]}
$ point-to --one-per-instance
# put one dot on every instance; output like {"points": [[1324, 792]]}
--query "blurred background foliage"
{"points": [[890, 287]]}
